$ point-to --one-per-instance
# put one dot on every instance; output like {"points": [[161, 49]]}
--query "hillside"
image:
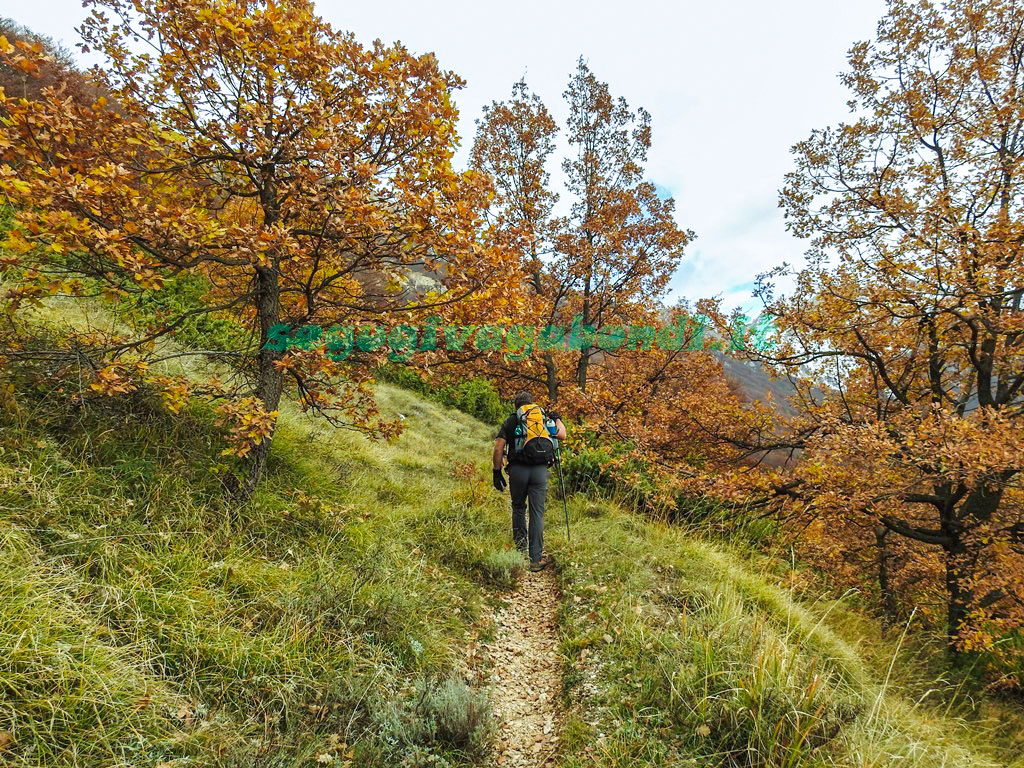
{"points": [[346, 616]]}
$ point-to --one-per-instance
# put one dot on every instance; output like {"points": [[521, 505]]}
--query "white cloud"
{"points": [[730, 87]]}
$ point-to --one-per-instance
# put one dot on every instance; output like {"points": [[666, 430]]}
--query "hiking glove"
{"points": [[499, 481]]}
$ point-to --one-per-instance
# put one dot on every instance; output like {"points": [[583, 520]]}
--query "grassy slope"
{"points": [[682, 652], [144, 623]]}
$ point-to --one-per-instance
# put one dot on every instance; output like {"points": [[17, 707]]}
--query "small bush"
{"points": [[479, 398], [594, 466], [502, 568], [446, 719]]}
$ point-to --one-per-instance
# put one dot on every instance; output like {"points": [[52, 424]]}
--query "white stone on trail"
{"points": [[526, 678]]}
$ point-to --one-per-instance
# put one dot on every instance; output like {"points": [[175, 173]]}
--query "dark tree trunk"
{"points": [[889, 608], [551, 371], [581, 372], [958, 599], [552, 377], [269, 380], [979, 507], [584, 363]]}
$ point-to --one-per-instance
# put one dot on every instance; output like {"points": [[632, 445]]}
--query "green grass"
{"points": [[145, 622], [681, 652]]}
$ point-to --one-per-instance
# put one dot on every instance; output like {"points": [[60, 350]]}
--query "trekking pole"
{"points": [[561, 483]]}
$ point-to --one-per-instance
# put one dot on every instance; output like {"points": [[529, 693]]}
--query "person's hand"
{"points": [[499, 481]]}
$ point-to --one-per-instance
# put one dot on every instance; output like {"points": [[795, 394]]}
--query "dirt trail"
{"points": [[526, 676]]}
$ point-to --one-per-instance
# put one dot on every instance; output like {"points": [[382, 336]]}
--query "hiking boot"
{"points": [[541, 564]]}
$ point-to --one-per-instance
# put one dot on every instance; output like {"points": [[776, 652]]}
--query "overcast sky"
{"points": [[730, 86]]}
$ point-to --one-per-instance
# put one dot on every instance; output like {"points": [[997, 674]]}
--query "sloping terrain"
{"points": [[683, 652], [145, 622], [346, 616]]}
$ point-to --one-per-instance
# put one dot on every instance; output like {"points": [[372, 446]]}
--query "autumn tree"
{"points": [[609, 260], [513, 144], [620, 243], [903, 333], [57, 67], [624, 366], [302, 174]]}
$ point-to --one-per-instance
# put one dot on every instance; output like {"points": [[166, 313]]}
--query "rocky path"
{"points": [[526, 676]]}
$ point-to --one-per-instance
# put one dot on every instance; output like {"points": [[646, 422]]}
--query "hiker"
{"points": [[525, 437]]}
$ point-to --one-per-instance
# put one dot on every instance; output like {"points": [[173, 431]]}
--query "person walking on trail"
{"points": [[525, 439]]}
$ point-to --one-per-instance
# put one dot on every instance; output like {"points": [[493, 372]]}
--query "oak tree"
{"points": [[608, 261], [904, 333], [302, 174]]}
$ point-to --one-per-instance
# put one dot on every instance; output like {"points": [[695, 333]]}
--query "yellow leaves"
{"points": [[5, 47], [174, 137], [174, 391], [149, 279], [248, 423], [18, 185], [16, 242]]}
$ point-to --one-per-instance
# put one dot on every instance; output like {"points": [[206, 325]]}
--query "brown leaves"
{"points": [[248, 424], [526, 676], [118, 378], [902, 332], [174, 391]]}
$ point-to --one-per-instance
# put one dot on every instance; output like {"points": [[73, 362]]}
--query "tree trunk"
{"points": [[889, 609], [269, 380], [958, 599], [584, 363], [549, 358], [552, 377], [979, 507]]}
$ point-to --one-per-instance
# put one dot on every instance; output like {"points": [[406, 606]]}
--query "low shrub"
{"points": [[439, 722], [213, 331]]}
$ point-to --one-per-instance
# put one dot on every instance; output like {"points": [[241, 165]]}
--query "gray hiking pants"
{"points": [[528, 482]]}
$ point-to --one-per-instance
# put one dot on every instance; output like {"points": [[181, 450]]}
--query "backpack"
{"points": [[533, 441]]}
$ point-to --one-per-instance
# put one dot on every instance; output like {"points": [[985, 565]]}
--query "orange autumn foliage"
{"points": [[303, 175], [903, 332]]}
